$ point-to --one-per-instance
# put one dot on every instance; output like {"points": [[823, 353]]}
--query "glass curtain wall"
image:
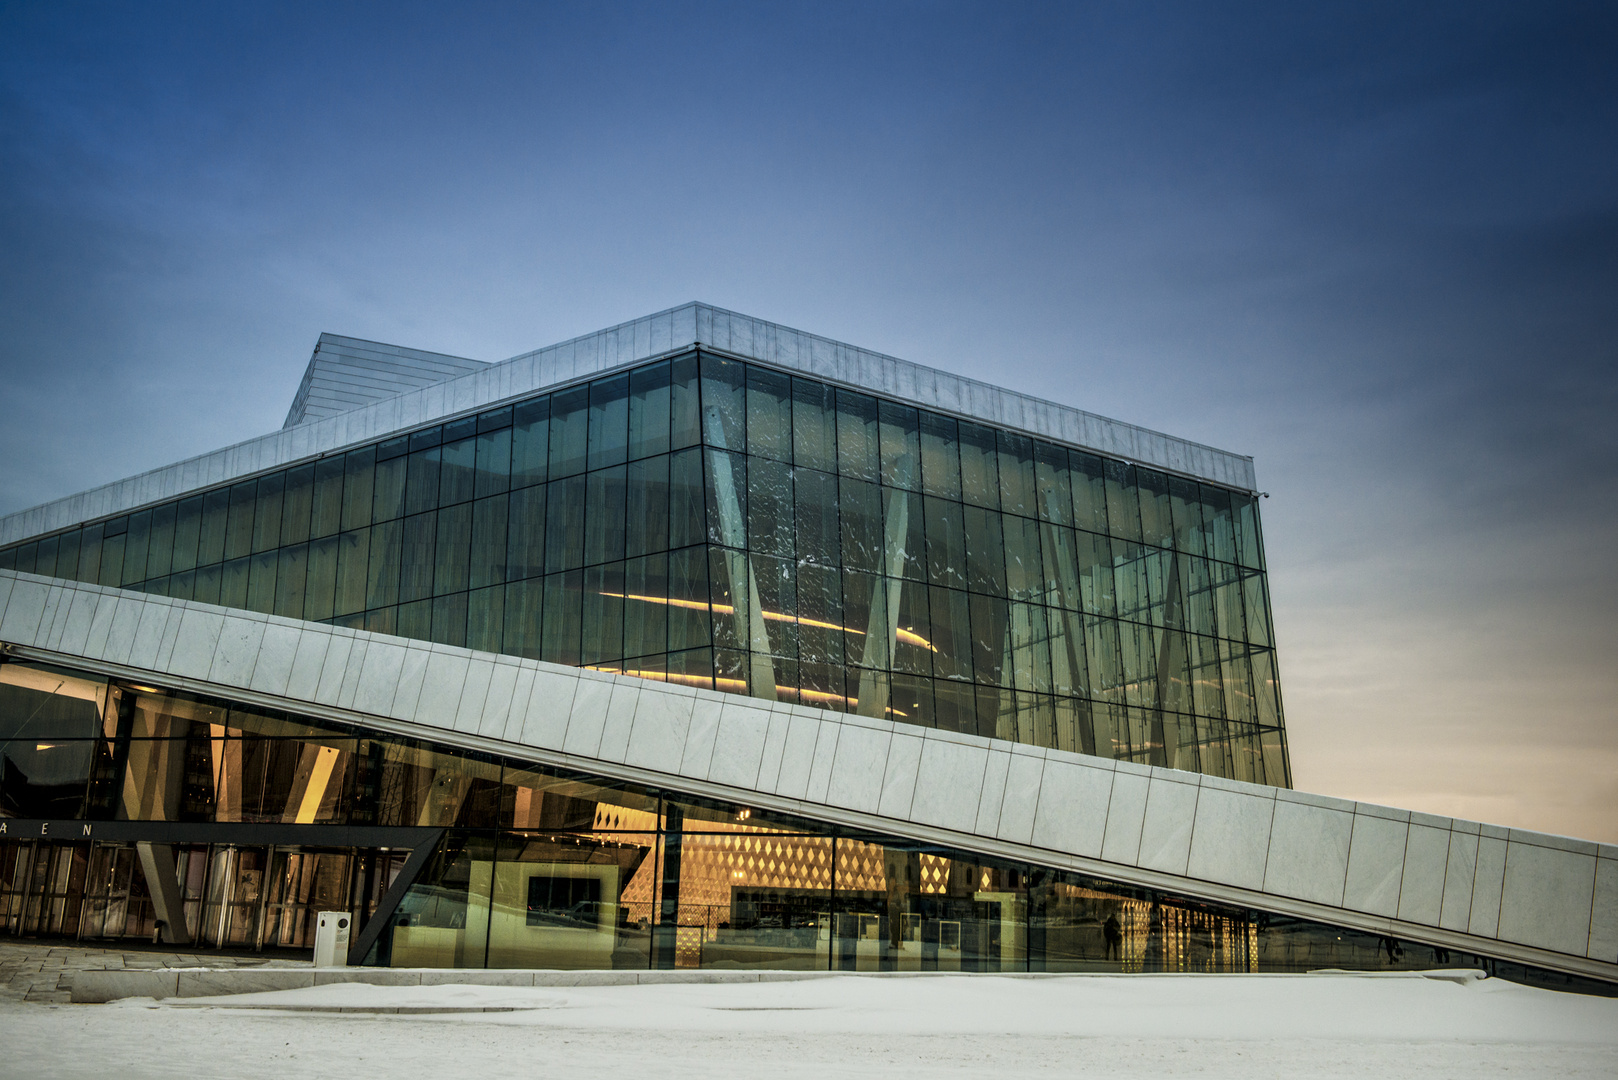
{"points": [[723, 524]]}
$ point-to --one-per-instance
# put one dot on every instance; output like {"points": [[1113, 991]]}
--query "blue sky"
{"points": [[1375, 248]]}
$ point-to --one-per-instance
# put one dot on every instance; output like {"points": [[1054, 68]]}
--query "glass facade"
{"points": [[542, 868], [723, 524]]}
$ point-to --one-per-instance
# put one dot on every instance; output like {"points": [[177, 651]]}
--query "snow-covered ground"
{"points": [[1207, 1026]]}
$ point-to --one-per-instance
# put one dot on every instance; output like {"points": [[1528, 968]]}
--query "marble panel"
{"points": [[517, 711], [304, 680], [76, 631], [996, 766], [798, 756], [95, 643], [1484, 919], [949, 785], [379, 679], [148, 636], [825, 755], [1165, 832], [1604, 918], [662, 722], [857, 771], [1376, 861], [1126, 813], [1456, 910], [1421, 893], [220, 982], [497, 702], [621, 718], [588, 717], [739, 746], [775, 744], [550, 707], [121, 638], [171, 634], [237, 652], [352, 672], [1308, 856], [1231, 837], [1547, 897], [701, 736], [24, 611], [1020, 803], [474, 692], [334, 668], [276, 652], [196, 644], [899, 775], [1072, 813], [440, 688], [412, 677]]}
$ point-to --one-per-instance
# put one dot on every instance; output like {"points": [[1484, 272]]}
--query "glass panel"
{"points": [[457, 471], [940, 457], [295, 508], [530, 442], [138, 540], [856, 436], [609, 421], [525, 544], [359, 468], [493, 462], [419, 536], [489, 538], [570, 417], [685, 414], [604, 516], [899, 433], [980, 470], [724, 412], [267, 514], [421, 483], [452, 553], [769, 414], [1089, 491], [160, 553], [649, 410], [326, 507], [1016, 453], [814, 425]]}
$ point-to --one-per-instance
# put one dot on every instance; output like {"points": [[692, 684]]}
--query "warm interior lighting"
{"points": [[45, 746], [909, 637], [145, 689]]}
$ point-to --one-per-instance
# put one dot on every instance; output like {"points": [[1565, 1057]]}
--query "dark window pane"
{"points": [[985, 551], [562, 629], [239, 530], [494, 462], [951, 634], [449, 620], [649, 410], [45, 557], [899, 436], [685, 413], [946, 544], [419, 534], [648, 502], [138, 541], [421, 481], [603, 614], [818, 529], [770, 507], [724, 413], [1123, 504], [160, 552], [980, 469], [320, 583], [1244, 516], [388, 490], [820, 616], [1025, 577], [485, 617], [489, 536], [609, 421], [206, 589], [1094, 555], [290, 579], [1217, 519], [382, 574], [564, 524], [604, 516], [856, 436], [359, 467], [687, 499], [453, 551], [90, 554], [353, 577], [233, 584], [646, 607], [1156, 519], [688, 599], [1055, 491], [1089, 491], [524, 604], [570, 419], [326, 511], [296, 504], [530, 442], [112, 560], [940, 457], [456, 472], [727, 498], [769, 414], [525, 545], [267, 514], [414, 620], [188, 532], [860, 509], [814, 425], [1016, 453]]}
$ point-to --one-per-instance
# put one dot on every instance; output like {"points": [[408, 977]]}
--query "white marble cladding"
{"points": [[615, 347], [1362, 865]]}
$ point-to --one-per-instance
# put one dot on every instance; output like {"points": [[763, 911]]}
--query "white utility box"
{"points": [[331, 938]]}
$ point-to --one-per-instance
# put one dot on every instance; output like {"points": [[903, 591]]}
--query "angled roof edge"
{"points": [[347, 373], [618, 346]]}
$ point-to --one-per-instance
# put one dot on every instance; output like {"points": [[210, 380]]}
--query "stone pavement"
{"points": [[42, 972]]}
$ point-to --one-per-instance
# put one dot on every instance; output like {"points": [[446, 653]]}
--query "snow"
{"points": [[1143, 1025]]}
